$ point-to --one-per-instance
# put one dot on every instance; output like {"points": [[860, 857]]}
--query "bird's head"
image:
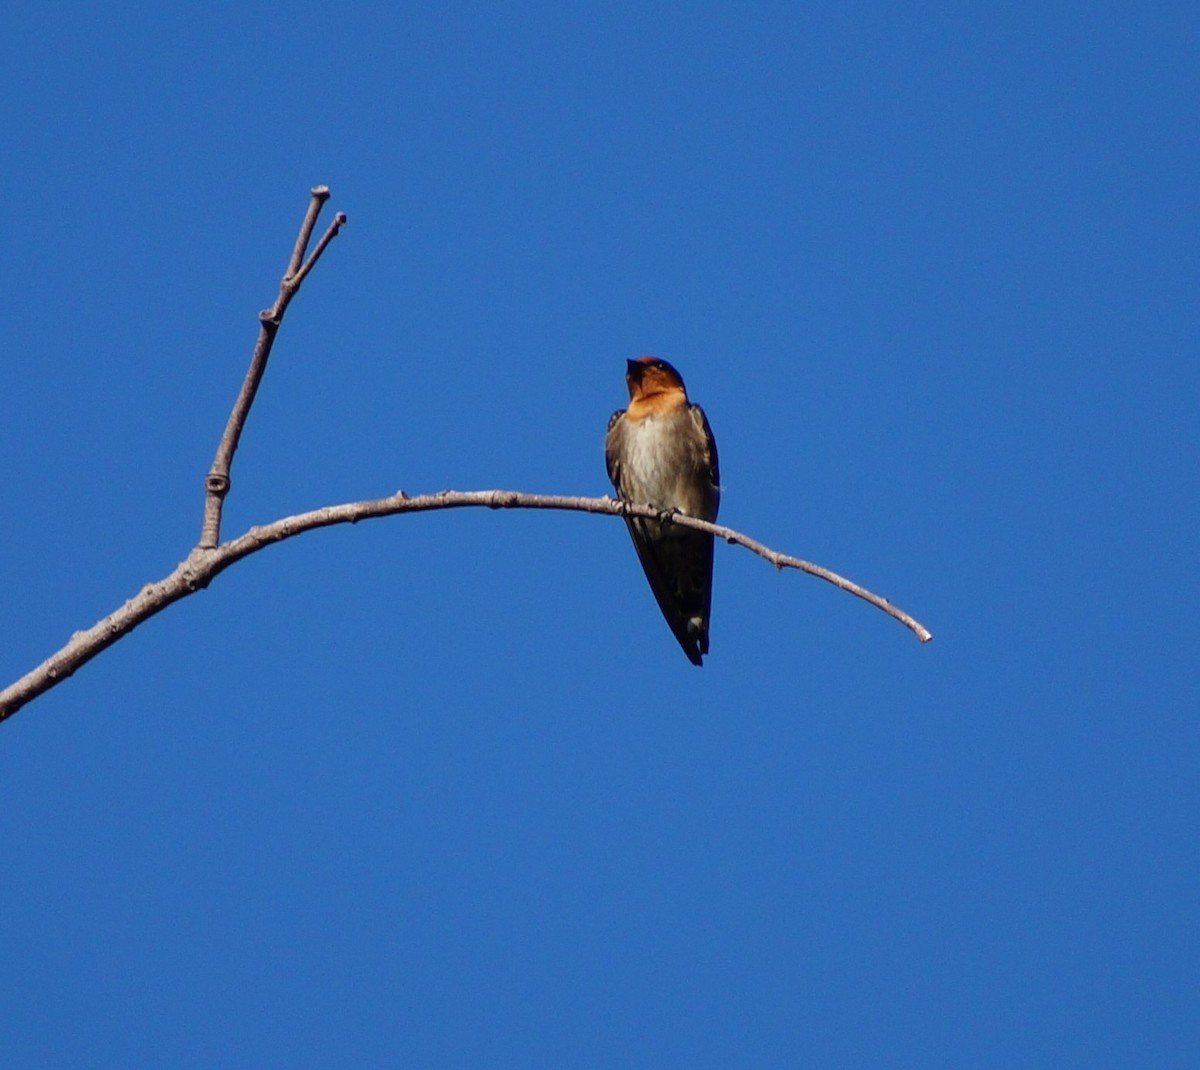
{"points": [[650, 376]]}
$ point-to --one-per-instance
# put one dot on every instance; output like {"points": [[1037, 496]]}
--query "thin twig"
{"points": [[331, 232], [203, 564], [216, 483]]}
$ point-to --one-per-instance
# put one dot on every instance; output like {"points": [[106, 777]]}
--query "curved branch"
{"points": [[203, 564]]}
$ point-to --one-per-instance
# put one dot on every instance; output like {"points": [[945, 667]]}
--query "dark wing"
{"points": [[610, 450], [678, 564], [712, 463]]}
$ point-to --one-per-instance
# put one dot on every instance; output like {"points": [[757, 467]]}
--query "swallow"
{"points": [[660, 452]]}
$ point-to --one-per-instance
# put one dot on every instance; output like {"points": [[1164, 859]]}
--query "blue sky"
{"points": [[442, 790]]}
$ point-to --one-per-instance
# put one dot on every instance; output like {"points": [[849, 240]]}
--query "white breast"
{"points": [[663, 464]]}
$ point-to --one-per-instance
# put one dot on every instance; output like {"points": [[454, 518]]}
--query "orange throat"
{"points": [[655, 402]]}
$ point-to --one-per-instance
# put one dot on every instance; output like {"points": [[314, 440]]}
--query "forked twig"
{"points": [[216, 483]]}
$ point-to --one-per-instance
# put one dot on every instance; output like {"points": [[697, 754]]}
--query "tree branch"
{"points": [[210, 557], [203, 564]]}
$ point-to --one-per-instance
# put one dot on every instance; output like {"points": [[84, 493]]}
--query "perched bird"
{"points": [[660, 452]]}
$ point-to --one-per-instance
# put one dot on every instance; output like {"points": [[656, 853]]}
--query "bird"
{"points": [[660, 452]]}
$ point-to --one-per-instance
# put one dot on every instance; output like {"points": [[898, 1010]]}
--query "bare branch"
{"points": [[211, 557], [216, 483], [205, 563]]}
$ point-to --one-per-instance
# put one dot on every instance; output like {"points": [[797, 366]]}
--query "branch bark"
{"points": [[210, 556]]}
